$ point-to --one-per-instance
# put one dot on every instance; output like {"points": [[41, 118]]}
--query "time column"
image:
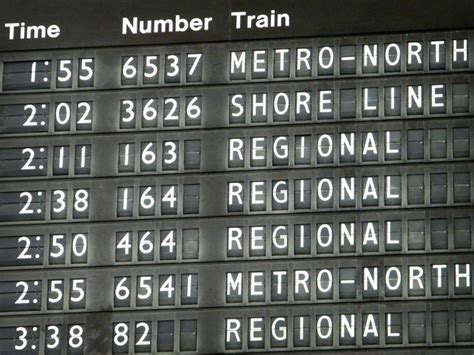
{"points": [[33, 118], [79, 128]]}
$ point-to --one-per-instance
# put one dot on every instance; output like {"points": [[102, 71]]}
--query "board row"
{"points": [[233, 284], [241, 194], [244, 105], [238, 150], [429, 326], [391, 234], [284, 60]]}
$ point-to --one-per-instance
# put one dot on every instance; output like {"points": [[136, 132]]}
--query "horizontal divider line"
{"points": [[266, 126], [233, 261], [232, 171], [242, 307], [236, 216], [240, 83]]}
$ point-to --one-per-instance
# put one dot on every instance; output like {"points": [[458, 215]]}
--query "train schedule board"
{"points": [[236, 176]]}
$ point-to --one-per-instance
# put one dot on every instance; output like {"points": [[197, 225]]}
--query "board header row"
{"points": [[46, 24]]}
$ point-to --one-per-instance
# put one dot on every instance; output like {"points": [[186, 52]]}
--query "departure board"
{"points": [[236, 176]]}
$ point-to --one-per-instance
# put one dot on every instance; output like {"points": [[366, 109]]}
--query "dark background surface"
{"points": [[93, 23]]}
